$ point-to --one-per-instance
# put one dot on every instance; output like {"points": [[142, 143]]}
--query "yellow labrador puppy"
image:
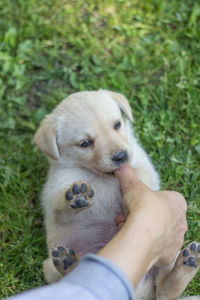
{"points": [[86, 138]]}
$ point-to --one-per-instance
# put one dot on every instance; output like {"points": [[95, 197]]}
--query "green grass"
{"points": [[146, 49]]}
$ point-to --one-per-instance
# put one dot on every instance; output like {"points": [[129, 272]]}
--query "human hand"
{"points": [[161, 213]]}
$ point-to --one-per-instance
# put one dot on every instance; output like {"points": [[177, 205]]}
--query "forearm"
{"points": [[94, 278], [135, 263]]}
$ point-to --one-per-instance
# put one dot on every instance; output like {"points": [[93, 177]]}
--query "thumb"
{"points": [[127, 178]]}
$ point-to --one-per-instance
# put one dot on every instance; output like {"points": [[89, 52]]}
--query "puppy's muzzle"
{"points": [[119, 158]]}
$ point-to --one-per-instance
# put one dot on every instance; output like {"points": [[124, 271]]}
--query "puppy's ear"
{"points": [[123, 103], [45, 138]]}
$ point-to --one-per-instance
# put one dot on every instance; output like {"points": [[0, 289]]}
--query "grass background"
{"points": [[147, 49]]}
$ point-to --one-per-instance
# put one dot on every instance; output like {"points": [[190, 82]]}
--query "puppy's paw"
{"points": [[172, 284], [64, 259], [80, 195], [191, 255]]}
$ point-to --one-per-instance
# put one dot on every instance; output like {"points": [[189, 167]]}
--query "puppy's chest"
{"points": [[108, 199]]}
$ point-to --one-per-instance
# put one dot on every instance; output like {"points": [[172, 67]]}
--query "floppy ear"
{"points": [[123, 103], [45, 138]]}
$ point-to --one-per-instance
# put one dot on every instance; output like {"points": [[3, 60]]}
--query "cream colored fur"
{"points": [[90, 115]]}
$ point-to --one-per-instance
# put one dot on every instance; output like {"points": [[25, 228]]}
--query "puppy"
{"points": [[86, 138]]}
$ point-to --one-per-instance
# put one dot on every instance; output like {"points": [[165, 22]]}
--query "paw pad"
{"points": [[63, 258], [80, 195], [191, 255]]}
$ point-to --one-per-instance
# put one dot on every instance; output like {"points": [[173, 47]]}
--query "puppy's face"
{"points": [[88, 131]]}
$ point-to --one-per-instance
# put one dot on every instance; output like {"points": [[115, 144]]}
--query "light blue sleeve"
{"points": [[95, 278]]}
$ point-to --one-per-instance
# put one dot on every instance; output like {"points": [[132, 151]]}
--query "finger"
{"points": [[127, 177]]}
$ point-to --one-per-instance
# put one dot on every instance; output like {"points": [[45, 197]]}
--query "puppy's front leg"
{"points": [[79, 195]]}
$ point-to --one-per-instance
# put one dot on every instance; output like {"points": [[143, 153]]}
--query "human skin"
{"points": [[152, 231]]}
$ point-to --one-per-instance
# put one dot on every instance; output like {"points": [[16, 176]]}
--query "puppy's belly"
{"points": [[90, 238]]}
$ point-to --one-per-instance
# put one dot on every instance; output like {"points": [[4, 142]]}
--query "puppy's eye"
{"points": [[86, 143], [117, 125]]}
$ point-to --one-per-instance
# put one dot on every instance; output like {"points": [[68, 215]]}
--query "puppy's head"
{"points": [[88, 130]]}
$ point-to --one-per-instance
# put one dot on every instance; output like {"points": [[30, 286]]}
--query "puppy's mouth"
{"points": [[112, 170], [103, 172], [108, 169]]}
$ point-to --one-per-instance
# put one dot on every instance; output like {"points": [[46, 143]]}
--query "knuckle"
{"points": [[181, 198]]}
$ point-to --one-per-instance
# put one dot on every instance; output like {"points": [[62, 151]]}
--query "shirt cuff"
{"points": [[101, 277]]}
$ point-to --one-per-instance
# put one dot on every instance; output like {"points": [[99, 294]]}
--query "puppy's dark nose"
{"points": [[120, 157]]}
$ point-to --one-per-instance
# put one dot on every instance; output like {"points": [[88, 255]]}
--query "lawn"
{"points": [[148, 50]]}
